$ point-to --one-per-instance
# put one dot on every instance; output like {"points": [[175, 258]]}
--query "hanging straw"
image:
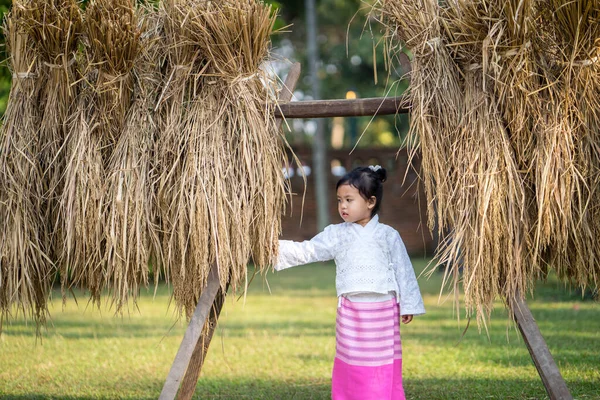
{"points": [[132, 238], [434, 96], [25, 270], [512, 174], [488, 235], [55, 27], [112, 44], [435, 99], [232, 153], [183, 64], [569, 53]]}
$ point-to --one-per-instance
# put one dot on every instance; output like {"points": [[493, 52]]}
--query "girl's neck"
{"points": [[364, 222]]}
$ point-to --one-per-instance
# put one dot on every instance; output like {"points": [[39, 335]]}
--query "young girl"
{"points": [[375, 284]]}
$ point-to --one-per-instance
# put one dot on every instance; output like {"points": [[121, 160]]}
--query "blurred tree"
{"points": [[342, 26], [350, 60]]}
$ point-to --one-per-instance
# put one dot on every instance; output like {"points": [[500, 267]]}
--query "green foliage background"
{"points": [[344, 31]]}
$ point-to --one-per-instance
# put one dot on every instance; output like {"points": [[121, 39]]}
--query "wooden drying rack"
{"points": [[185, 370]]}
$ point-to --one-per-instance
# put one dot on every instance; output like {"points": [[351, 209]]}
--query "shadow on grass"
{"points": [[416, 389], [505, 389], [222, 389], [230, 328], [92, 329], [35, 396]]}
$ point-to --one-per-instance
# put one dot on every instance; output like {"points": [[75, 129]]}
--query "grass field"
{"points": [[280, 345]]}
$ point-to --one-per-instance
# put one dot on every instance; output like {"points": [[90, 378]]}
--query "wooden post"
{"points": [[191, 337], [288, 88], [188, 385], [194, 346], [551, 378]]}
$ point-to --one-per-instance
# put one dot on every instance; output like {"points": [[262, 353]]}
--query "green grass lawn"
{"points": [[280, 345]]}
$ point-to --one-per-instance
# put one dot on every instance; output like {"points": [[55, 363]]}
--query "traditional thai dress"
{"points": [[375, 284]]}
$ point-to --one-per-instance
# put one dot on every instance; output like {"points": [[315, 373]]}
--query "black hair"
{"points": [[368, 181]]}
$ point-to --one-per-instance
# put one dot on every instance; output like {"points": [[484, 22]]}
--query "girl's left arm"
{"points": [[411, 302]]}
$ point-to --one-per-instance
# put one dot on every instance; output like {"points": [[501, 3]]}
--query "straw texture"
{"points": [[25, 270], [139, 142], [111, 44], [504, 114], [130, 209], [229, 191], [55, 27]]}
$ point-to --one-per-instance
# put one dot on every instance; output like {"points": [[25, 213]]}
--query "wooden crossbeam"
{"points": [[341, 108]]}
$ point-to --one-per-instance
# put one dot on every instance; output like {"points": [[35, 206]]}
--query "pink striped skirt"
{"points": [[368, 359]]}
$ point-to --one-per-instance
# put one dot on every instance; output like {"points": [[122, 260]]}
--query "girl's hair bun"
{"points": [[379, 171]]}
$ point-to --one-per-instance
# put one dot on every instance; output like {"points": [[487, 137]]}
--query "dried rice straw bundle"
{"points": [[112, 44], [570, 50], [470, 174], [434, 96], [113, 35], [184, 62], [490, 225], [510, 61], [513, 68], [490, 214], [55, 27], [515, 174], [234, 153], [556, 176], [80, 204], [131, 231], [236, 39], [26, 272]]}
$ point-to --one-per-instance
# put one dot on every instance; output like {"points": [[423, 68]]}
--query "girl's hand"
{"points": [[406, 319]]}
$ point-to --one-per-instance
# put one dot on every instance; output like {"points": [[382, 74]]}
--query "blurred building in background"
{"points": [[403, 205]]}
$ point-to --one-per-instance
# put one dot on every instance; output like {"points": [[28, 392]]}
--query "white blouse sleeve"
{"points": [[411, 302], [319, 248]]}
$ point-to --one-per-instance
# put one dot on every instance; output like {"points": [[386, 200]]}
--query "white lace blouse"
{"points": [[369, 259]]}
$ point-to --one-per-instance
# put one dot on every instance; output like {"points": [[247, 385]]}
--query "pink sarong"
{"points": [[368, 359]]}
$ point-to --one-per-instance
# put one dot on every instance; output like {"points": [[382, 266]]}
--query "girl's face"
{"points": [[352, 206]]}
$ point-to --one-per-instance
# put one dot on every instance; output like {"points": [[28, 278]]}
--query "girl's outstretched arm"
{"points": [[319, 248]]}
